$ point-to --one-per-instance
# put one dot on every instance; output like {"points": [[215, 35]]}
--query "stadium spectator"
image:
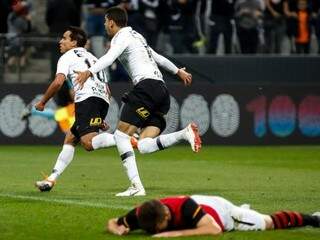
{"points": [[248, 15], [19, 23], [221, 13], [203, 215], [59, 16], [274, 26], [290, 11], [149, 100], [149, 10], [303, 27], [316, 17], [94, 18], [91, 103], [5, 9], [135, 18], [182, 25]]}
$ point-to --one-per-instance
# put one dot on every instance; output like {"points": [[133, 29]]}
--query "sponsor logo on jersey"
{"points": [[95, 121], [144, 113]]}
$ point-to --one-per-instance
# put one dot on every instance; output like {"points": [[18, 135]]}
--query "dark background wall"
{"points": [[234, 100]]}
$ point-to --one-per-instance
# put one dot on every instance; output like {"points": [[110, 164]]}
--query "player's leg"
{"points": [[94, 140], [250, 220], [90, 114], [150, 141], [160, 106], [291, 219], [127, 126], [64, 159]]}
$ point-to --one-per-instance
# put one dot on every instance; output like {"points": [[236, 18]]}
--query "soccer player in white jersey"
{"points": [[149, 100], [203, 215], [91, 103]]}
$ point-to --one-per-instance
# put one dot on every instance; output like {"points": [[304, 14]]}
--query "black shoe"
{"points": [[317, 215]]}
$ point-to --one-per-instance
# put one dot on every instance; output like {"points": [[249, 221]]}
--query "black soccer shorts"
{"points": [[146, 104], [90, 114]]}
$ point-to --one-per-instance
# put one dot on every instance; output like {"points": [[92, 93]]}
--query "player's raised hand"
{"points": [[39, 106], [185, 76], [82, 78]]}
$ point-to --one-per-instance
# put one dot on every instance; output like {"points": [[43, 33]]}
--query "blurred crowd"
{"points": [[189, 26]]}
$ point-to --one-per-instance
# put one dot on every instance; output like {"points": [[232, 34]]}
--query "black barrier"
{"points": [[282, 114], [255, 69]]}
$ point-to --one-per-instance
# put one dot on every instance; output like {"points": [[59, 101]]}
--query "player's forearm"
{"points": [[52, 89], [189, 232], [165, 63]]}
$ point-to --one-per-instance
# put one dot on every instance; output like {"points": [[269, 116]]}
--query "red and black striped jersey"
{"points": [[185, 214]]}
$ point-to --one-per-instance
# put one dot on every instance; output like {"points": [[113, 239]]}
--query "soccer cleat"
{"points": [[317, 215], [45, 185], [26, 112], [132, 191], [193, 137], [134, 142]]}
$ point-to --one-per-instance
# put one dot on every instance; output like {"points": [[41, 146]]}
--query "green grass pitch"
{"points": [[269, 178]]}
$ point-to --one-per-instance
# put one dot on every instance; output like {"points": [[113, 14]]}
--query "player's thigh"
{"points": [[86, 140], [90, 115], [126, 128], [131, 119], [154, 126], [70, 138], [149, 132], [247, 219]]}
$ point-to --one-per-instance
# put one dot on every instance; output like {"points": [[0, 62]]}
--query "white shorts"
{"points": [[232, 216]]}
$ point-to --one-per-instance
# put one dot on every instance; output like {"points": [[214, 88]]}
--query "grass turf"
{"points": [[269, 178]]}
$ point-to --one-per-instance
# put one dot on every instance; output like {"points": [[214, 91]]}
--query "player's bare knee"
{"points": [[87, 145]]}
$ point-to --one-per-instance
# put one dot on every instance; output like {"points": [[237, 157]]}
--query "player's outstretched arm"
{"points": [[206, 226], [51, 91], [165, 63], [116, 229]]}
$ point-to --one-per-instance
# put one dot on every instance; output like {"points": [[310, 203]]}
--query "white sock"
{"points": [[103, 140], [64, 159], [127, 155], [170, 139], [148, 145]]}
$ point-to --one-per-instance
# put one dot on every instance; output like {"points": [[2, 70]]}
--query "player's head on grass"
{"points": [[153, 216], [73, 37], [115, 19]]}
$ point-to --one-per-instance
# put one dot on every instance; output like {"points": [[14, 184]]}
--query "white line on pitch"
{"points": [[65, 201]]}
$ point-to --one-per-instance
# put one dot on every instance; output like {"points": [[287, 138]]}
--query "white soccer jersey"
{"points": [[79, 59], [140, 61]]}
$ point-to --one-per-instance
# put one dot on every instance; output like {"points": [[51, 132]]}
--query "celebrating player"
{"points": [[91, 103], [203, 215], [149, 100]]}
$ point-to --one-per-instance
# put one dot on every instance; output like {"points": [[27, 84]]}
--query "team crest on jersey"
{"points": [[95, 122], [144, 113]]}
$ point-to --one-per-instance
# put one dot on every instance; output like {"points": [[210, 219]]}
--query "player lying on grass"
{"points": [[203, 215]]}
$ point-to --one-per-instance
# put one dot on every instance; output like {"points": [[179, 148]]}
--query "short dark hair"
{"points": [[78, 35], [118, 15], [151, 213]]}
